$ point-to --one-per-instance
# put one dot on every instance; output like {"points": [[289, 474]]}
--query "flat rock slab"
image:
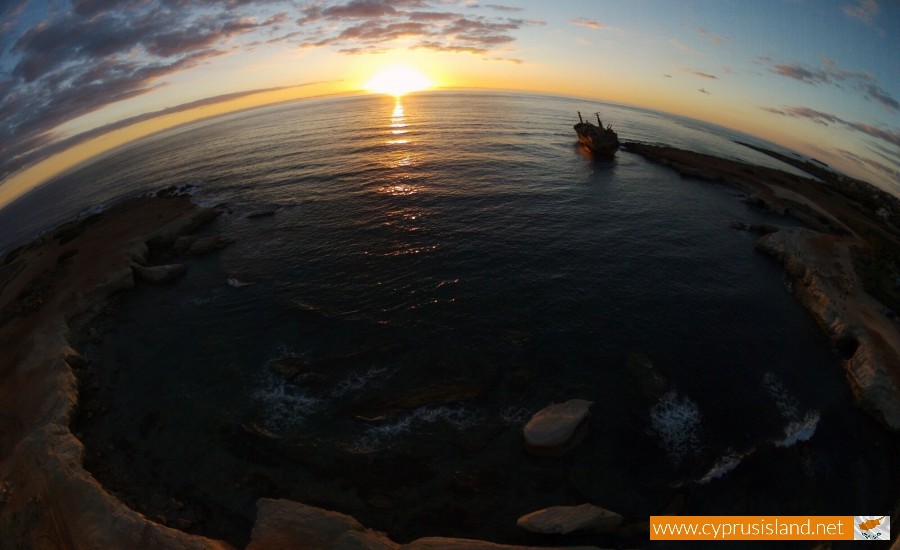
{"points": [[288, 525], [563, 520], [555, 425]]}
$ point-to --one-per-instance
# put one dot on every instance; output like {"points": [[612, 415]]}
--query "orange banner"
{"points": [[751, 527]]}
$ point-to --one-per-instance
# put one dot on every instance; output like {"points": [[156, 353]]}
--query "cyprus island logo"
{"points": [[871, 528]]}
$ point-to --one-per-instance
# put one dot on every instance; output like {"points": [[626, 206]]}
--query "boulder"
{"points": [[284, 524], [159, 274], [555, 425], [567, 519]]}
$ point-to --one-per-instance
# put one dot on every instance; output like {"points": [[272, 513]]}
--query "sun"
{"points": [[397, 80]]}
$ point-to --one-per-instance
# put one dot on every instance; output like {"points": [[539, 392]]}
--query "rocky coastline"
{"points": [[843, 236], [55, 288], [57, 285]]}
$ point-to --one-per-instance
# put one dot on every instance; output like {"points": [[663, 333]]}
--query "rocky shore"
{"points": [[58, 286], [834, 263]]}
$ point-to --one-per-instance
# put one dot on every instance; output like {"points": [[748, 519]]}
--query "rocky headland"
{"points": [[842, 265]]}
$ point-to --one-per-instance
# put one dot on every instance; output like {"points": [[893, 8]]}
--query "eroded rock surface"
{"points": [[555, 425], [826, 283], [569, 519]]}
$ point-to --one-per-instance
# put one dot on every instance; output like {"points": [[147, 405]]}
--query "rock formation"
{"points": [[159, 274], [287, 525], [47, 498], [827, 284], [554, 427], [568, 519]]}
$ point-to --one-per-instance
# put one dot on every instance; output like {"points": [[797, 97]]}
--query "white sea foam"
{"points": [[356, 381], [515, 416], [284, 405], [786, 404], [800, 430], [459, 417], [91, 210], [676, 421], [727, 462]]}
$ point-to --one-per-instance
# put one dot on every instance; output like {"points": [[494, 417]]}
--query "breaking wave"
{"points": [[800, 430], [786, 404], [458, 417], [676, 420], [283, 405], [727, 462]]}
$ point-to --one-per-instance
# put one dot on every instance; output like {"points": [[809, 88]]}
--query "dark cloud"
{"points": [[360, 9], [877, 94], [889, 136], [84, 55], [802, 74], [864, 162], [368, 32], [432, 16], [92, 53], [498, 7], [830, 74], [701, 74], [433, 30], [703, 91]]}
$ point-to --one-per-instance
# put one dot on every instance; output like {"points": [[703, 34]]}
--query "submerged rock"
{"points": [[159, 274], [554, 426], [651, 381], [567, 519], [193, 245]]}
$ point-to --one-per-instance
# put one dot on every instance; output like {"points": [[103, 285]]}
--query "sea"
{"points": [[433, 270]]}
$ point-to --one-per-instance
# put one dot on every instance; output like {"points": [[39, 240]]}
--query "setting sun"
{"points": [[397, 80]]}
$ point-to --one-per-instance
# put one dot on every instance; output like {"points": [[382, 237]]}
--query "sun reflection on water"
{"points": [[398, 124]]}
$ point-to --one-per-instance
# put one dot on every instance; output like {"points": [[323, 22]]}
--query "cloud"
{"points": [[683, 47], [712, 37], [367, 26], [701, 74], [667, 75], [802, 74], [877, 94], [889, 136], [703, 91], [864, 10], [864, 162], [830, 74], [79, 56], [589, 23], [504, 8]]}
